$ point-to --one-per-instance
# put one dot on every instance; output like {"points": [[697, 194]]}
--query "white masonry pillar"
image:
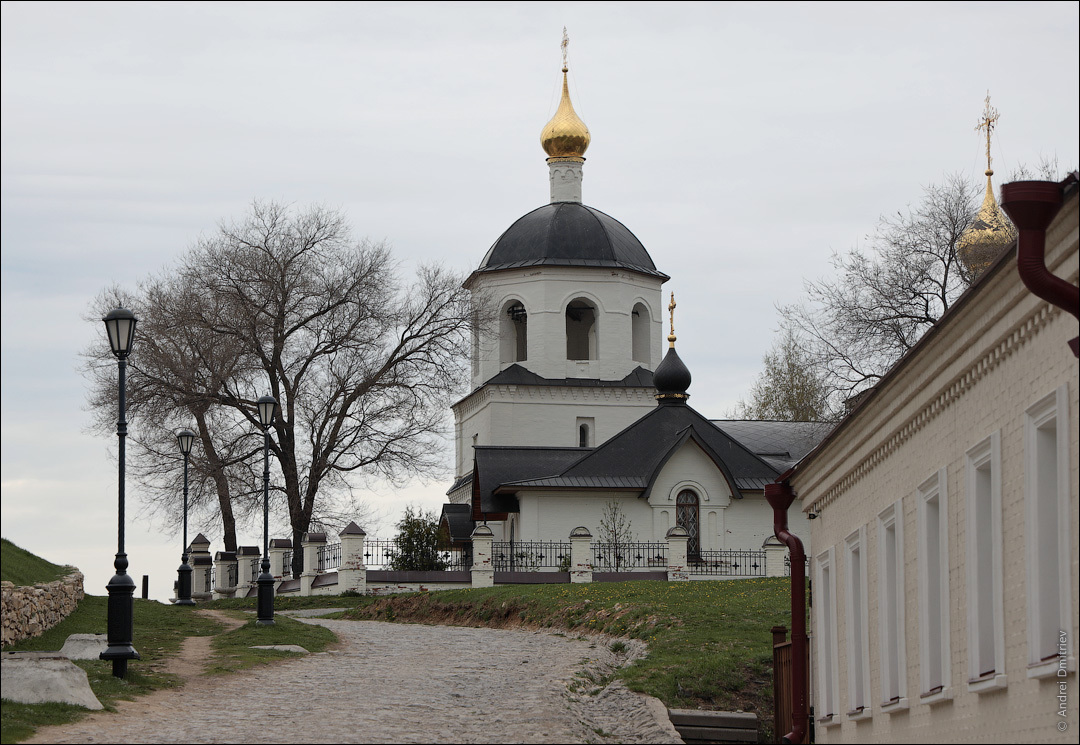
{"points": [[580, 555], [677, 538], [483, 570]]}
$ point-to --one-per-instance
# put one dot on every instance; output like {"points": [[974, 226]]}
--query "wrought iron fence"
{"points": [[626, 557], [255, 568], [286, 564], [787, 565], [329, 557], [383, 553], [530, 556], [731, 563], [231, 577], [209, 579]]}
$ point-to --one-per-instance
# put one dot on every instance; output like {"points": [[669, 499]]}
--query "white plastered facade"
{"points": [[963, 400]]}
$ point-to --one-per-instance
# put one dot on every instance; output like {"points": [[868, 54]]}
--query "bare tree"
{"points": [[614, 531], [881, 301], [790, 388], [283, 302]]}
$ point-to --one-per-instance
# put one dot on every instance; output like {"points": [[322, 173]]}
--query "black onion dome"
{"points": [[672, 377], [568, 234]]}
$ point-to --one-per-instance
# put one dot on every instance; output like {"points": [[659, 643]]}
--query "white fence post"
{"points": [[483, 571], [278, 547], [200, 560], [245, 578], [581, 567], [311, 543], [775, 551], [352, 574], [677, 538], [223, 588]]}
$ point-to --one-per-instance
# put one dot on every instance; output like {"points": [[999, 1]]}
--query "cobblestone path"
{"points": [[395, 683]]}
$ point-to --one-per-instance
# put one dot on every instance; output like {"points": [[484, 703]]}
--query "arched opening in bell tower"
{"points": [[514, 333], [640, 324], [581, 330]]}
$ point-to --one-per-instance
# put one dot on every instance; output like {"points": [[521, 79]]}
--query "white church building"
{"points": [[572, 405]]}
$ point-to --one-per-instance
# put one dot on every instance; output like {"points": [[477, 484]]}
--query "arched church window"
{"points": [[514, 333], [687, 516], [639, 326], [581, 330], [583, 436]]}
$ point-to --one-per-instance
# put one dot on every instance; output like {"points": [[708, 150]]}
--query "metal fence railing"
{"points": [[627, 557], [731, 563], [286, 565], [255, 571], [530, 556], [385, 554], [329, 557]]}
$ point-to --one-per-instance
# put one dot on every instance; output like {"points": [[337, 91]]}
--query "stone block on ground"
{"points": [[44, 677], [85, 646]]}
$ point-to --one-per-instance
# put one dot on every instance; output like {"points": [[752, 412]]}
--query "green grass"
{"points": [[232, 650], [20, 567]]}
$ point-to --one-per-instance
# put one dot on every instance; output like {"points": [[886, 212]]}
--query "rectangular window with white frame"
{"points": [[827, 655], [855, 626], [891, 603], [934, 648], [1046, 476], [985, 609]]}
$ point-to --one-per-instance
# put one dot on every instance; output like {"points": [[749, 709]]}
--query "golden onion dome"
{"points": [[988, 235], [565, 136]]}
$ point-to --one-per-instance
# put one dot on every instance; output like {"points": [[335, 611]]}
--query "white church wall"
{"points": [[545, 293], [544, 416], [691, 468], [550, 516]]}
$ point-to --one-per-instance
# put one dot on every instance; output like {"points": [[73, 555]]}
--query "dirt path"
{"points": [[392, 683]]}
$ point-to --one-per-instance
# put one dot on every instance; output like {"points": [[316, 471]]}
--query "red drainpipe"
{"points": [[1032, 206], [780, 496]]}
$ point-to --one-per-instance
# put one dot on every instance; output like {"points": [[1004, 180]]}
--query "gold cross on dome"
{"points": [[671, 310], [564, 45], [990, 116]]}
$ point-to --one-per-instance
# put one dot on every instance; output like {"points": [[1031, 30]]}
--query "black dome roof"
{"points": [[568, 234]]}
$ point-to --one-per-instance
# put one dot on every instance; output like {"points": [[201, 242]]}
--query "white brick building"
{"points": [[944, 560]]}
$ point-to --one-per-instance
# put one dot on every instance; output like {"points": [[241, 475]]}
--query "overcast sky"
{"points": [[742, 144]]}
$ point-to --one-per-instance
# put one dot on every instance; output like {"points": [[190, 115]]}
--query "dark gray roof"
{"points": [[782, 444], [460, 481], [518, 375], [568, 234], [459, 522], [633, 458], [497, 465]]}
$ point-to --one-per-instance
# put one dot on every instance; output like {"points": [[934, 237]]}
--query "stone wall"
{"points": [[31, 611]]}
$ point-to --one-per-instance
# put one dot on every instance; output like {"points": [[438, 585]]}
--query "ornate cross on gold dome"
{"points": [[671, 310], [989, 119]]}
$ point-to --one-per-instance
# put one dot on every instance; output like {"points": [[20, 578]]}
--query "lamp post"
{"points": [[267, 405], [120, 325], [184, 438]]}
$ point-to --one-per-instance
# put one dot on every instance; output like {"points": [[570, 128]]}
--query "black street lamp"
{"points": [[185, 438], [267, 406], [120, 325]]}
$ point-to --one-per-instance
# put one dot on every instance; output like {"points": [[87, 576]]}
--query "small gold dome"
{"points": [[565, 136], [988, 235]]}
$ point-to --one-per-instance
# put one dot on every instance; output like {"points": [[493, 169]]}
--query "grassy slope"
{"points": [[20, 567]]}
